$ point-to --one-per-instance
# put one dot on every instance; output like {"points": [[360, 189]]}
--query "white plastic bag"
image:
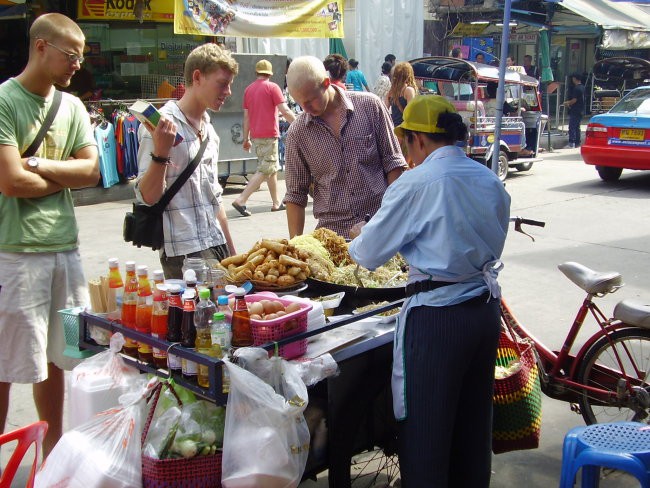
{"points": [[97, 383], [266, 438], [102, 453]]}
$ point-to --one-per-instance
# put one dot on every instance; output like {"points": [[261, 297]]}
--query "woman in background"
{"points": [[337, 66], [403, 89], [355, 77], [382, 87]]}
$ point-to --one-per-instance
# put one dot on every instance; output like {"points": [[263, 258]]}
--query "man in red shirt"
{"points": [[263, 99]]}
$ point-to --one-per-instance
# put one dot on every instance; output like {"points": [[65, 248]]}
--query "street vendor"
{"points": [[448, 217], [343, 143]]}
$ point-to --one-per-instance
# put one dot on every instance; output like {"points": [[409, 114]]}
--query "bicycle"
{"points": [[608, 378]]}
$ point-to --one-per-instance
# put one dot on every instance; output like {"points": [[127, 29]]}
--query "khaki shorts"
{"points": [[267, 155], [34, 287]]}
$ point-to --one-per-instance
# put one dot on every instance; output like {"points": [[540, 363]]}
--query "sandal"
{"points": [[279, 209], [242, 209]]}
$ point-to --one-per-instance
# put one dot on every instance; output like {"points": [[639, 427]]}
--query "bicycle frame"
{"points": [[559, 369]]}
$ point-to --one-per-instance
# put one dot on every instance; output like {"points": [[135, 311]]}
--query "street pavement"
{"points": [[600, 225]]}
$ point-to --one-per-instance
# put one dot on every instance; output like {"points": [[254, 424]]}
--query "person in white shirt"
{"points": [[194, 222]]}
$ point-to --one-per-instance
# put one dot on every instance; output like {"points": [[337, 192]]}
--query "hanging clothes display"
{"points": [[106, 145]]}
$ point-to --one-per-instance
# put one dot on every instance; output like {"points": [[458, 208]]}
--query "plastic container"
{"points": [[265, 331], [70, 319]]}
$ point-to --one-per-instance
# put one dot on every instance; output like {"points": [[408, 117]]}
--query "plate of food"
{"points": [[384, 317]]}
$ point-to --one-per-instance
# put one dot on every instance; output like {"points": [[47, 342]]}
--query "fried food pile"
{"points": [[270, 262]]}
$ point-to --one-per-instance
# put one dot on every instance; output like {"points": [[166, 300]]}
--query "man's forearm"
{"points": [[73, 173], [295, 219]]}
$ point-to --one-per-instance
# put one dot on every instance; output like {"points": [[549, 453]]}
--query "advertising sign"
{"points": [[153, 10], [259, 18]]}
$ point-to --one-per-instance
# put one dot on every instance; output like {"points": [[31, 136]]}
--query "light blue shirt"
{"points": [[356, 78], [448, 217]]}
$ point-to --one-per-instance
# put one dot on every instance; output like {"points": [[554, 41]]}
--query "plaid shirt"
{"points": [[189, 221], [349, 173]]}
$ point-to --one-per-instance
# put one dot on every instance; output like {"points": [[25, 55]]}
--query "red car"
{"points": [[620, 138]]}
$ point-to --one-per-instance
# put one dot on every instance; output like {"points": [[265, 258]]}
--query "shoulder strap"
{"points": [[180, 181], [49, 118]]}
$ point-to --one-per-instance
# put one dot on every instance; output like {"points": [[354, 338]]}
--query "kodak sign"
{"points": [[154, 10]]}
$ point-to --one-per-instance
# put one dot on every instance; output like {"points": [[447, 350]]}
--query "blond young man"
{"points": [[40, 267], [194, 222]]}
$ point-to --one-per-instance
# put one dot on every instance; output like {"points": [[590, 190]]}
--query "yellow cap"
{"points": [[421, 114], [263, 67]]}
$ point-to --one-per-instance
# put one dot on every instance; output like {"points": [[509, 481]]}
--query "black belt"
{"points": [[425, 285]]}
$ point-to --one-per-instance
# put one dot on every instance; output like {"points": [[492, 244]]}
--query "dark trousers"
{"points": [[574, 128], [173, 265], [450, 352]]}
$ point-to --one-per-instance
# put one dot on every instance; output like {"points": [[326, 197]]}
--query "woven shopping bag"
{"points": [[517, 405], [195, 472]]}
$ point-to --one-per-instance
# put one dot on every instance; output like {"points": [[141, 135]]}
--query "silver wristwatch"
{"points": [[32, 163]]}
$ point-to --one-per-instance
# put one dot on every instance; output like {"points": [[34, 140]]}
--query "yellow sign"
{"points": [[259, 18], [153, 10], [468, 30]]}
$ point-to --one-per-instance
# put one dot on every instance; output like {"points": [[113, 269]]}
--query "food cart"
{"points": [[471, 88], [356, 403]]}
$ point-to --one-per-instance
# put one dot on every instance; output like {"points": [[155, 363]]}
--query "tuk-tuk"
{"points": [[613, 78], [471, 88]]}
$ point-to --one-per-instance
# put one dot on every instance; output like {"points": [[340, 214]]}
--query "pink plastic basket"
{"points": [[265, 331]]}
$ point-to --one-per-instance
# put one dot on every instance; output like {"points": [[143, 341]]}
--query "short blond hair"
{"points": [[208, 58], [305, 71], [53, 27]]}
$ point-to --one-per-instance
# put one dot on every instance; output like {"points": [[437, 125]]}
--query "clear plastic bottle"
{"points": [[129, 305], [205, 309], [220, 331], [198, 265], [242, 334], [222, 304], [143, 312]]}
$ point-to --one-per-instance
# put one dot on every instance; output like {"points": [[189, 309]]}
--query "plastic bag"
{"points": [[97, 383], [102, 453], [266, 439]]}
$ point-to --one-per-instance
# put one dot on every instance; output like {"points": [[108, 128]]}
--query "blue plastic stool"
{"points": [[617, 445]]}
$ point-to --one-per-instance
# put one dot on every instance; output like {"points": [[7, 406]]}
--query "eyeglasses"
{"points": [[72, 58]]}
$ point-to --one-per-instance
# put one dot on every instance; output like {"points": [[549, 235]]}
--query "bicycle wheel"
{"points": [[600, 368]]}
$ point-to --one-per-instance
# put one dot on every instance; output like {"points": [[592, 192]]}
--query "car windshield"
{"points": [[637, 102]]}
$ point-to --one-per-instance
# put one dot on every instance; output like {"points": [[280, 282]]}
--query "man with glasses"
{"points": [[40, 267]]}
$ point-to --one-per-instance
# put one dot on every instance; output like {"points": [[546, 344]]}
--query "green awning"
{"points": [[337, 47]]}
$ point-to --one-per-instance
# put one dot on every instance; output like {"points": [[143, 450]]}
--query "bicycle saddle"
{"points": [[633, 313], [591, 281]]}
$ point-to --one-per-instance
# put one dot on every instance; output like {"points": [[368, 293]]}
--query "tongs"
{"points": [[356, 270]]}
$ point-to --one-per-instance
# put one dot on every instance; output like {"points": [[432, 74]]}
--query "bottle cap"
{"points": [[142, 270], [173, 288], [239, 292], [222, 300], [204, 293], [113, 263], [158, 275], [130, 265], [218, 316], [189, 276], [188, 294]]}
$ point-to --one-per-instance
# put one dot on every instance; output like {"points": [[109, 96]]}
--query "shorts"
{"points": [[34, 287], [267, 155]]}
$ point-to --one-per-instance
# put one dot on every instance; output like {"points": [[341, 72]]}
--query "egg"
{"points": [[278, 306], [292, 307], [256, 308], [280, 313], [255, 316], [270, 316], [269, 306]]}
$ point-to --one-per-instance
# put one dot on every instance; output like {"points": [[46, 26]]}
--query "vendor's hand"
{"points": [[355, 230], [164, 136], [247, 145]]}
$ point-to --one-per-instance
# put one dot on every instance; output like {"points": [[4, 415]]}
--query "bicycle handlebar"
{"points": [[520, 220]]}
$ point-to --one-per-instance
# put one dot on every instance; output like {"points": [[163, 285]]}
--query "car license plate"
{"points": [[632, 134]]}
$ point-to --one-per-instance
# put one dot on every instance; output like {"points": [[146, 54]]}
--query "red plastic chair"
{"points": [[26, 436]]}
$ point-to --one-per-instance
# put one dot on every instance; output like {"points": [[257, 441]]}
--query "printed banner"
{"points": [[153, 10], [259, 18]]}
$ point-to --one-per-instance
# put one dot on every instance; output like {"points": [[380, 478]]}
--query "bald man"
{"points": [[343, 143], [40, 267]]}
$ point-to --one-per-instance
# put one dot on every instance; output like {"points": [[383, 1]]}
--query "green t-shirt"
{"points": [[45, 224]]}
